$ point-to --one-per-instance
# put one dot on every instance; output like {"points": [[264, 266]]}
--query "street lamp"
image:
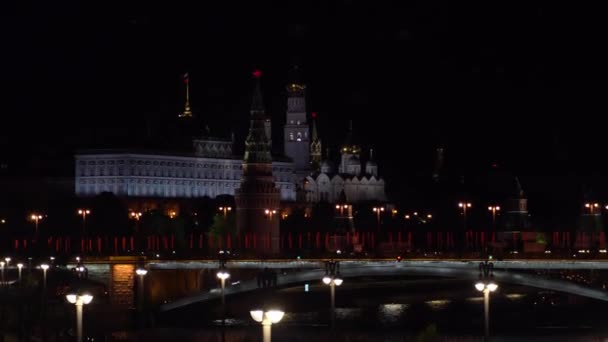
{"points": [[494, 209], [44, 268], [378, 210], [8, 260], [341, 207], [136, 216], [80, 270], [394, 212], [267, 318], [225, 210], [592, 207], [84, 213], [2, 271], [36, 218], [486, 285], [222, 275], [141, 272], [464, 206], [333, 279], [269, 213], [19, 267], [79, 300]]}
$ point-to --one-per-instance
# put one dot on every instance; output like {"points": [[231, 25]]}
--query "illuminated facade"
{"points": [[212, 169], [350, 180]]}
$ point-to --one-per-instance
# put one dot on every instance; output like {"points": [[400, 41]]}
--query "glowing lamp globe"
{"points": [[257, 315], [274, 316]]}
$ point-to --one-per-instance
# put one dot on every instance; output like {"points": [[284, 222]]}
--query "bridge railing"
{"points": [[314, 243]]}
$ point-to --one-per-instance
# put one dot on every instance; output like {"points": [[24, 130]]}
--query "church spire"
{"points": [[314, 127], [257, 103], [257, 146], [315, 145], [187, 113]]}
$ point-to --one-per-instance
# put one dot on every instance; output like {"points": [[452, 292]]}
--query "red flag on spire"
{"points": [[186, 78]]}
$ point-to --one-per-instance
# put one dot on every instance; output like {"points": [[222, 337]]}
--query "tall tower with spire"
{"points": [[187, 113], [258, 199], [315, 145], [297, 146], [350, 155]]}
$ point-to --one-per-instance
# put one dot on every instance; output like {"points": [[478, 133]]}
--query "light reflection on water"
{"points": [[474, 299], [438, 304], [391, 313], [348, 313], [298, 317], [230, 322], [515, 296]]}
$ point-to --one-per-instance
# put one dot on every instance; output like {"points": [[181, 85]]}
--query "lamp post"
{"points": [[19, 267], [464, 206], [333, 279], [141, 272], [2, 270], [81, 271], [378, 210], [79, 300], [592, 207], [84, 213], [136, 216], [494, 209], [225, 210], [486, 285], [222, 275], [267, 318], [269, 213], [44, 268], [36, 218], [341, 207]]}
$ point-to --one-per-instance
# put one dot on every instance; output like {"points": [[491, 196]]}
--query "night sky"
{"points": [[519, 85]]}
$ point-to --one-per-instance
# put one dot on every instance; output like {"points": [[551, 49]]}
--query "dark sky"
{"points": [[521, 84]]}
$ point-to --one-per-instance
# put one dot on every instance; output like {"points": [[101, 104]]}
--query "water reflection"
{"points": [[438, 304], [391, 313], [348, 313], [474, 299], [515, 296], [231, 322]]}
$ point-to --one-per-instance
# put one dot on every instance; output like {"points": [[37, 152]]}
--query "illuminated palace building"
{"points": [[211, 168]]}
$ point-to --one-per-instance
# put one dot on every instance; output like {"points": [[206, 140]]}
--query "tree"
{"points": [[108, 215], [222, 226]]}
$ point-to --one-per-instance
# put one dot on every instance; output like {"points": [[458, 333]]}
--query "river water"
{"points": [[398, 310]]}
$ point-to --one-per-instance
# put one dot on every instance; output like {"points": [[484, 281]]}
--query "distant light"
{"points": [[306, 287], [314, 115], [257, 74]]}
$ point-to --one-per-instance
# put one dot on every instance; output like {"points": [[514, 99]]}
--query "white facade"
{"points": [[168, 176], [357, 186]]}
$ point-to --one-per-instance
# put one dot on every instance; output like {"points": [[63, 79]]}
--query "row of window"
{"points": [[298, 136], [166, 190]]}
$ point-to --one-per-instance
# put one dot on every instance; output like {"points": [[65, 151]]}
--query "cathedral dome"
{"points": [[326, 167], [371, 163]]}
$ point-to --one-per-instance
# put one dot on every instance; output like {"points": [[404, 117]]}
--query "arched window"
{"points": [[299, 136], [291, 136]]}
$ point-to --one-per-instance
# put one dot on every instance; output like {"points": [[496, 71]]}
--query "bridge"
{"points": [[507, 272]]}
